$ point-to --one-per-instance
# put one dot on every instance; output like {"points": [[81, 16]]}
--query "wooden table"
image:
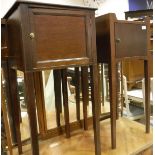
{"points": [[118, 40], [45, 36]]}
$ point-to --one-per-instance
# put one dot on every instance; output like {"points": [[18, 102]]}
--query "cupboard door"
{"points": [[60, 35], [131, 40]]}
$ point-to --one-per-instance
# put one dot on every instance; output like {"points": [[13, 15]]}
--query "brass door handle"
{"points": [[118, 40], [32, 36]]}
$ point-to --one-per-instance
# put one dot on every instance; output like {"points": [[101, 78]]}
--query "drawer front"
{"points": [[131, 40], [60, 36]]}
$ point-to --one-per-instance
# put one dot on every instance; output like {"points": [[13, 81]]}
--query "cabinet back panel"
{"points": [[59, 37]]}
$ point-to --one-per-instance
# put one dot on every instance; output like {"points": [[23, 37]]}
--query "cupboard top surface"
{"points": [[46, 3]]}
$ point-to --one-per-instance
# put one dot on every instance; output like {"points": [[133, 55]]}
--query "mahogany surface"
{"points": [[118, 40], [45, 36]]}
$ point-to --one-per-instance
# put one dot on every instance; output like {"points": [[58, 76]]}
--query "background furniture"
{"points": [[133, 69], [118, 40], [12, 109], [132, 111], [45, 36]]}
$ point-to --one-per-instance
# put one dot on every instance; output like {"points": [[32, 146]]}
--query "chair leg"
{"points": [[57, 90], [95, 108], [112, 88], [85, 94], [65, 101], [31, 109], [77, 90], [147, 94]]}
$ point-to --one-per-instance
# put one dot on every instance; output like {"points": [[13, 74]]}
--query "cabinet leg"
{"points": [[31, 109], [16, 106], [5, 71], [147, 94], [113, 94], [77, 92], [85, 94], [95, 108], [102, 84], [65, 101], [5, 120], [57, 90], [40, 102]]}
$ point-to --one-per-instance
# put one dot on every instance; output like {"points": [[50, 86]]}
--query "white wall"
{"points": [[6, 4], [113, 6], [105, 6]]}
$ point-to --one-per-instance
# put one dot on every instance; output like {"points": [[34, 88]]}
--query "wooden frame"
{"points": [[108, 42]]}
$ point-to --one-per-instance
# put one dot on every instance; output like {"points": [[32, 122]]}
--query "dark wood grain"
{"points": [[65, 101], [57, 90], [40, 103], [77, 92], [31, 109], [147, 70], [132, 40], [16, 107], [85, 94], [102, 84], [45, 36], [95, 108], [4, 114], [106, 54]]}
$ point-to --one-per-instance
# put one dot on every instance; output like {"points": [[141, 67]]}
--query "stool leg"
{"points": [[95, 108], [57, 90], [15, 101], [31, 110], [147, 94], [77, 90], [112, 88], [85, 94], [65, 101]]}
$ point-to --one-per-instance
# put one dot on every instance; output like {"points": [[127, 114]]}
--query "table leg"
{"points": [[113, 105], [85, 94], [31, 109], [57, 90], [95, 108], [77, 91], [147, 94], [65, 101]]}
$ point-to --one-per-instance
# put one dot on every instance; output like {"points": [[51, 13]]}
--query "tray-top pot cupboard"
{"points": [[118, 40], [46, 36]]}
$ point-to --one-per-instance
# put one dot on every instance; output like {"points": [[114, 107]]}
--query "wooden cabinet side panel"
{"points": [[15, 39], [103, 38]]}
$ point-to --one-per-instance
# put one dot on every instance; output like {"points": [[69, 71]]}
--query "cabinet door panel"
{"points": [[131, 40], [59, 36]]}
